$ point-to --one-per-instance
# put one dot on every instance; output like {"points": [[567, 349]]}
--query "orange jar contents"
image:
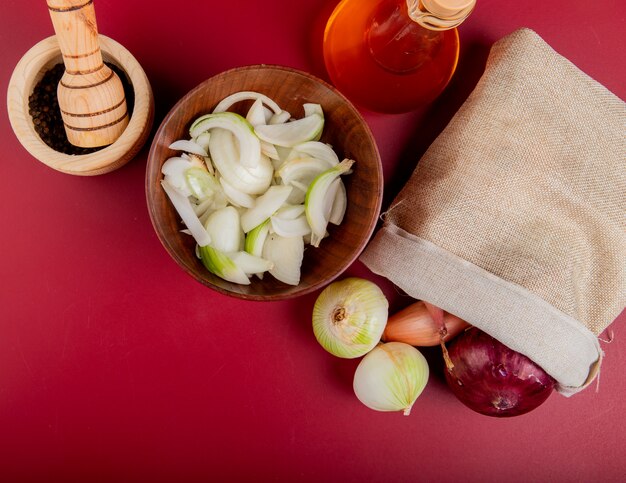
{"points": [[393, 55]]}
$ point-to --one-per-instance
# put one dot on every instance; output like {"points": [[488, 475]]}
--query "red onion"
{"points": [[492, 379]]}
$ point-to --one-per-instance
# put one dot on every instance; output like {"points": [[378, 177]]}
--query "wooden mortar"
{"points": [[29, 71]]}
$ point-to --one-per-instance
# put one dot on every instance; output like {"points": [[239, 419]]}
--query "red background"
{"points": [[117, 366]]}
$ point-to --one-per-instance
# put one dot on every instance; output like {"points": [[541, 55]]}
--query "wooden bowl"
{"points": [[344, 129], [29, 71]]}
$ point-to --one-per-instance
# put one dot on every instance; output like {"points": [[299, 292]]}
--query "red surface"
{"points": [[116, 366]]}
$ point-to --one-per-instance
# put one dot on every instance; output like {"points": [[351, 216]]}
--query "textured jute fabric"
{"points": [[515, 218]]}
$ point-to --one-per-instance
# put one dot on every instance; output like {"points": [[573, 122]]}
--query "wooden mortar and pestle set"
{"points": [[90, 94]]}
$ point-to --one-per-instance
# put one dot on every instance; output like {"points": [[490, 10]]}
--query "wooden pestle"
{"points": [[90, 94]]}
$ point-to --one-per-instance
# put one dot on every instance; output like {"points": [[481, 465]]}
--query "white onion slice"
{"points": [[185, 211], [256, 113], [290, 212], [283, 153], [175, 175], [189, 147], [220, 264], [291, 133], [288, 228], [316, 202], [318, 150], [265, 206], [202, 140], [236, 197], [224, 228], [287, 255], [299, 185], [304, 170], [201, 207], [176, 165], [298, 194], [330, 197], [340, 205], [270, 151], [249, 144], [250, 264], [311, 108], [229, 101], [255, 239], [202, 184], [225, 157], [279, 118]]}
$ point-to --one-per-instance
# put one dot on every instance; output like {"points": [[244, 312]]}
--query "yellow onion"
{"points": [[391, 377], [349, 317], [416, 325]]}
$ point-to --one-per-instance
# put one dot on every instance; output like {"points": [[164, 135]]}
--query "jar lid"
{"points": [[449, 9]]}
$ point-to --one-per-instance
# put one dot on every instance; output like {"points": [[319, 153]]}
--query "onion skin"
{"points": [[492, 379], [416, 326]]}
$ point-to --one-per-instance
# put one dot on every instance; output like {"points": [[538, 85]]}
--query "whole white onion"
{"points": [[349, 317], [391, 377]]}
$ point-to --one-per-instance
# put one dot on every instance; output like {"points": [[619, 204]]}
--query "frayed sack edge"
{"points": [[561, 345]]}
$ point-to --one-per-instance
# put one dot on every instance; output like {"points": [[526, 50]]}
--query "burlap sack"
{"points": [[515, 218]]}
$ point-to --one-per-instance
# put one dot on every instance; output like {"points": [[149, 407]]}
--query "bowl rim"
{"points": [[149, 182], [29, 69]]}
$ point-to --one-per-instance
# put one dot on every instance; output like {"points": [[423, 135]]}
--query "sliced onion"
{"points": [[201, 207], [224, 228], [256, 114], [175, 165], [298, 193], [318, 150], [174, 171], [492, 379], [220, 264], [287, 255], [283, 153], [255, 238], [340, 204], [202, 140], [178, 183], [290, 212], [188, 147], [225, 156], [236, 197], [312, 108], [185, 211], [270, 151], [233, 99], [349, 317], [265, 206], [331, 195], [294, 227], [304, 170], [280, 118], [316, 201], [251, 264], [201, 184], [226, 163], [291, 133], [249, 144]]}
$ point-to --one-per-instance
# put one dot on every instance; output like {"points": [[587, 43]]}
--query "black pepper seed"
{"points": [[44, 109]]}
